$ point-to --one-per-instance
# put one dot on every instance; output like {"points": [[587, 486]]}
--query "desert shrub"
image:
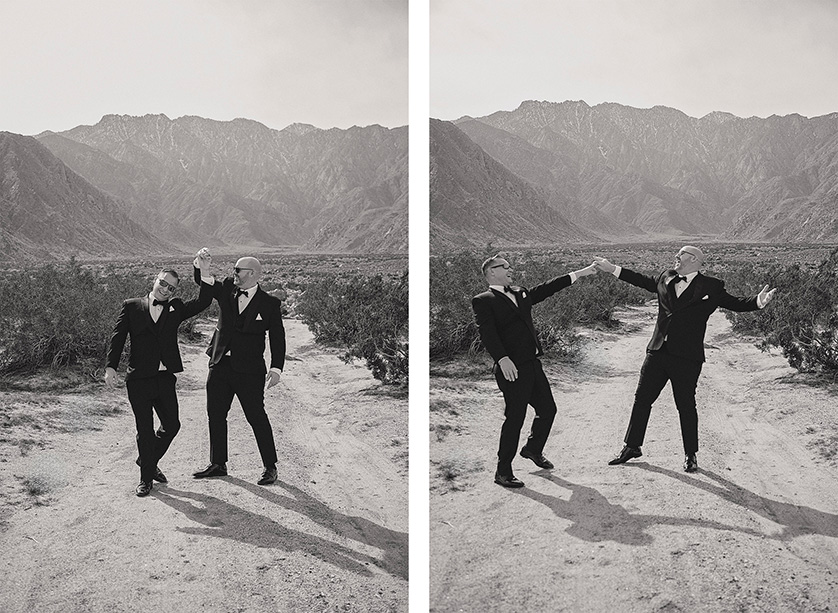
{"points": [[456, 278], [63, 314], [366, 315], [802, 320]]}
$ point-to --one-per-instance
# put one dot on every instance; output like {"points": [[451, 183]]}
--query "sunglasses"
{"points": [[166, 284], [504, 266], [237, 270]]}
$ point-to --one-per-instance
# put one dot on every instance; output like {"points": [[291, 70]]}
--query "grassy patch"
{"points": [[453, 475]]}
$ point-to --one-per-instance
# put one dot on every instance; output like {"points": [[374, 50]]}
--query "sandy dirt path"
{"points": [[756, 529], [329, 535]]}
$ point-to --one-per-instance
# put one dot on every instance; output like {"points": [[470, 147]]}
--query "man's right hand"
{"points": [[110, 377], [604, 265], [507, 367], [203, 259]]}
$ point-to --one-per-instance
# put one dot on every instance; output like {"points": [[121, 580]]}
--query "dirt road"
{"points": [[329, 535], [756, 529]]}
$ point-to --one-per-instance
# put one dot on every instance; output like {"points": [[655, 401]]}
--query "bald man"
{"points": [[237, 363], [686, 299]]}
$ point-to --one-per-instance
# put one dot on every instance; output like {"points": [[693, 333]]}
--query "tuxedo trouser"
{"points": [[147, 395], [658, 368], [530, 388], [222, 384]]}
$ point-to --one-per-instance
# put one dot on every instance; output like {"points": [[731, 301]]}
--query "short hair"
{"points": [[169, 271], [489, 261]]}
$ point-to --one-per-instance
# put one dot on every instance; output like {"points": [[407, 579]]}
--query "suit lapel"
{"points": [[509, 300]]}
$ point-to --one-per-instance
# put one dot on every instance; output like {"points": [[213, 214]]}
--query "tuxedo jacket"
{"points": [[507, 329], [682, 321], [152, 343], [243, 335]]}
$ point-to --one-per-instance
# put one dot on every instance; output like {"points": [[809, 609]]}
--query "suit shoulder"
{"points": [[487, 295], [713, 281]]}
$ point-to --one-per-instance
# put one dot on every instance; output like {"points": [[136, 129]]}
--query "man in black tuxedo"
{"points": [[504, 320], [152, 323], [237, 363], [686, 299]]}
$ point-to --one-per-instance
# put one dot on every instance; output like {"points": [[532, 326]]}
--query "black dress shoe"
{"points": [[213, 470], [690, 463], [268, 477], [539, 459], [144, 488], [626, 454], [508, 480], [159, 476]]}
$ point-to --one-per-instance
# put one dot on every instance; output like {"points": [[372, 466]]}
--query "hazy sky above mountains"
{"points": [[330, 63], [749, 58]]}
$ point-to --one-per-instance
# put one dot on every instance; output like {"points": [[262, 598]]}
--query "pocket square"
{"points": [[171, 308], [259, 317], [706, 297]]}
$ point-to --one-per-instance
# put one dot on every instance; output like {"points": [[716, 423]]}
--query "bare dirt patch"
{"points": [[756, 529], [329, 535]]}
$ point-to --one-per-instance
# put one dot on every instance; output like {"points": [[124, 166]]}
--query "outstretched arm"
{"points": [[629, 276]]}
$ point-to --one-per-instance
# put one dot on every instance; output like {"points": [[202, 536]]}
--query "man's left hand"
{"points": [[766, 296], [272, 379]]}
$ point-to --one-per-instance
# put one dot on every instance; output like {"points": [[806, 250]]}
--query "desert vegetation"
{"points": [[60, 315], [802, 320]]}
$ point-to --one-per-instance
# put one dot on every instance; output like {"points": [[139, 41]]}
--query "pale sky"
{"points": [[330, 63], [745, 57]]}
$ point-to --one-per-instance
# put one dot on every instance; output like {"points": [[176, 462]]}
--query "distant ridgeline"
{"points": [[549, 173], [146, 185]]}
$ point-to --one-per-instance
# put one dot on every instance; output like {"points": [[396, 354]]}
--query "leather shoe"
{"points": [[268, 477], [690, 463], [508, 480], [539, 459], [213, 470], [159, 476], [625, 455], [144, 488]]}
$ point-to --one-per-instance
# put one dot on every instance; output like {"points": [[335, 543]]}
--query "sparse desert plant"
{"points": [[366, 315]]}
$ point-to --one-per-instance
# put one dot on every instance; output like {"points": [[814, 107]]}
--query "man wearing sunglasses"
{"points": [[237, 363], [152, 323], [686, 299], [504, 320]]}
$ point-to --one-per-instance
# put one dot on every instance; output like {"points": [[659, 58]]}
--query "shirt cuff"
{"points": [[277, 370], [617, 270], [208, 280], [572, 278], [760, 303]]}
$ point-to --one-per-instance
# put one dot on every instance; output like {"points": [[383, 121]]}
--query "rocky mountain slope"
{"points": [[623, 172], [476, 200], [48, 210], [241, 183]]}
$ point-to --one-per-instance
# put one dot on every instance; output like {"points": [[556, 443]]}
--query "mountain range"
{"points": [[179, 184], [573, 171]]}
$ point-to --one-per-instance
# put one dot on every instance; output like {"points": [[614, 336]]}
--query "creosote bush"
{"points": [[366, 315], [63, 314]]}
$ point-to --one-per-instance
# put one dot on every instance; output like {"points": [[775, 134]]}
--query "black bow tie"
{"points": [[155, 302], [678, 278], [507, 289], [240, 292]]}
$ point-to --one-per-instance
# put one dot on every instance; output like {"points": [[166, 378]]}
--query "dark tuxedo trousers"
{"points": [[659, 367], [530, 388], [156, 393]]}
